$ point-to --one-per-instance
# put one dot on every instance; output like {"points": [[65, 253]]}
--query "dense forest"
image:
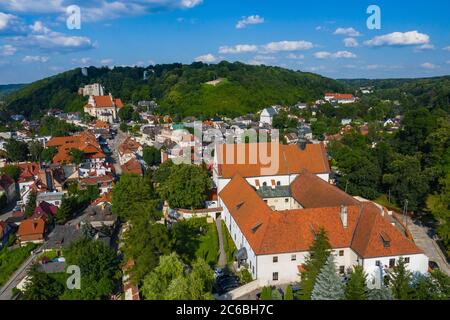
{"points": [[179, 89], [9, 88]]}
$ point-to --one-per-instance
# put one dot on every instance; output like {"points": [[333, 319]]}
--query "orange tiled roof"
{"points": [[103, 101], [106, 197], [101, 124], [272, 232], [312, 192], [31, 227], [340, 96], [291, 159], [84, 141], [129, 146], [28, 171], [133, 167]]}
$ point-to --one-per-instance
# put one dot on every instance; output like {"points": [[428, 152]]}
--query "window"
{"points": [[378, 263], [286, 200], [407, 260], [253, 269], [293, 257], [264, 184], [275, 259], [391, 263], [341, 253], [341, 269], [275, 276], [278, 183]]}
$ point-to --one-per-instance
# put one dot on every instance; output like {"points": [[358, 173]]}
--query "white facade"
{"points": [[266, 116], [95, 89]]}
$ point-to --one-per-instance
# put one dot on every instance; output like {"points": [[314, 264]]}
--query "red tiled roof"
{"points": [[271, 232], [129, 146], [31, 229], [133, 167], [85, 141], [340, 96], [103, 101], [106, 197], [312, 192], [28, 171], [288, 159]]}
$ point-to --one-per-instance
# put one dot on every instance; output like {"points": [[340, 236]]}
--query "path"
{"points": [[424, 239], [6, 291], [223, 256]]}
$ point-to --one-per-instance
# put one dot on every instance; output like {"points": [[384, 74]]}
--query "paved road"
{"points": [[223, 256], [19, 275], [119, 138], [423, 237]]}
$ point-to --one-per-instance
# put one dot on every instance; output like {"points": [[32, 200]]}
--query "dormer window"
{"points": [[385, 239]]}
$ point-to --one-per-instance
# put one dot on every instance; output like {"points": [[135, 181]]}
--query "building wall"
{"points": [[281, 204], [417, 263]]}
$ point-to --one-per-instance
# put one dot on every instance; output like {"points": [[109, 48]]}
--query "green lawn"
{"points": [[229, 246], [208, 248], [194, 238], [10, 261]]}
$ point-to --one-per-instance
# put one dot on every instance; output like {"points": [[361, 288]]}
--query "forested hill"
{"points": [[426, 92], [9, 88], [179, 89]]}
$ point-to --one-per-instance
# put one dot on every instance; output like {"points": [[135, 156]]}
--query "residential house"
{"points": [[31, 231], [52, 198], [45, 211], [267, 115], [340, 98], [133, 166], [129, 149]]}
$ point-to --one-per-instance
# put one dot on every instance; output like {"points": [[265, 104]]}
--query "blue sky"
{"points": [[327, 37]]}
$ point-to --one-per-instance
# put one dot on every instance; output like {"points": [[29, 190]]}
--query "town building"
{"points": [[340, 98], [95, 89], [104, 108], [266, 117]]}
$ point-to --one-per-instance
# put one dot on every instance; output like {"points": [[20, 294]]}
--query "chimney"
{"points": [[344, 216]]}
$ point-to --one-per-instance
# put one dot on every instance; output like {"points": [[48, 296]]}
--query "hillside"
{"points": [[179, 89], [430, 92], [9, 88]]}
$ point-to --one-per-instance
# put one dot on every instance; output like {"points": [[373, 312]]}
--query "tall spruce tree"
{"points": [[329, 285], [400, 281], [356, 286], [383, 293], [318, 255]]}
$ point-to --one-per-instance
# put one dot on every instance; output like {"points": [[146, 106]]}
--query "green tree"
{"points": [[400, 281], [144, 243], [266, 293], [328, 285], [41, 286], [289, 294], [356, 286], [76, 156], [31, 204], [134, 196], [186, 186], [151, 156], [99, 267], [36, 149], [126, 113], [11, 171], [48, 154], [382, 293], [438, 204], [163, 172], [316, 259], [16, 151]]}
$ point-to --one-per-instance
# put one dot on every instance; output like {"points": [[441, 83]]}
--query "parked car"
{"points": [[432, 265]]}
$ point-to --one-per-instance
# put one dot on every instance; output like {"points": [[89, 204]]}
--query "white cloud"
{"points": [[373, 66], [336, 55], [426, 46], [447, 48], [350, 43], [95, 10], [207, 58], [294, 56], [240, 48], [106, 61], [245, 21], [7, 50], [399, 39], [35, 59], [348, 32], [44, 39], [10, 24], [429, 65], [288, 46]]}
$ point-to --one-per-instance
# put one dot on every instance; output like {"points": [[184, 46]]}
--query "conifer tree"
{"points": [[329, 285], [356, 286], [318, 255], [289, 295], [383, 293], [400, 281]]}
